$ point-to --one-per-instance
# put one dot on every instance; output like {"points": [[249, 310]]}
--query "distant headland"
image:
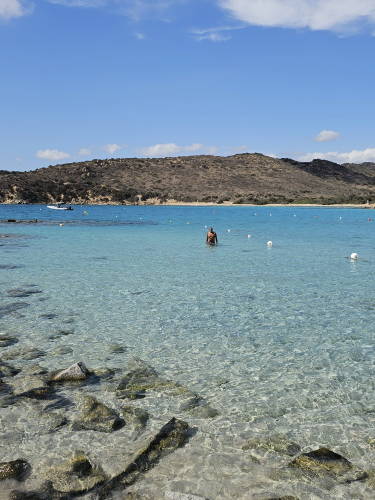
{"points": [[238, 179]]}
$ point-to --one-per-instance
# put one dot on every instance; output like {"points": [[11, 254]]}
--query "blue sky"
{"points": [[84, 79]]}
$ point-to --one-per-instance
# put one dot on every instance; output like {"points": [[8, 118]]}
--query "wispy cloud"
{"points": [[215, 34], [52, 154], [135, 9], [335, 15], [140, 36], [355, 156], [327, 135], [81, 3], [112, 148], [84, 152], [171, 149], [14, 8]]}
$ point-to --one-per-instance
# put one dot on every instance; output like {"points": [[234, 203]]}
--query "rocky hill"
{"points": [[243, 178]]}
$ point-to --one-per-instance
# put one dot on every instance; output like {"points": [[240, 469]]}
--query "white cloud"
{"points": [[327, 135], [12, 8], [139, 36], [336, 15], [355, 156], [111, 148], [84, 152], [51, 154], [172, 149]]}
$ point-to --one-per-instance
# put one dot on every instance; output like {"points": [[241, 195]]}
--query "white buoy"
{"points": [[249, 235], [61, 225], [354, 256], [228, 230], [269, 244]]}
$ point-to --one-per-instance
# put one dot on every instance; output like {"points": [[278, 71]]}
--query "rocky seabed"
{"points": [[127, 450]]}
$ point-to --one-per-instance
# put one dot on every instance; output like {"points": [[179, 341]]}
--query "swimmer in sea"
{"points": [[211, 238]]}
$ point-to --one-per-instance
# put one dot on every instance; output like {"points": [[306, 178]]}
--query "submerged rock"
{"points": [[45, 493], [204, 411], [11, 266], [74, 373], [49, 422], [34, 370], [135, 417], [105, 373], [96, 416], [61, 333], [30, 386], [17, 469], [324, 462], [23, 352], [6, 340], [48, 316], [60, 351], [171, 436], [7, 370], [22, 292], [142, 378], [11, 308], [76, 475], [278, 444], [198, 407], [117, 348]]}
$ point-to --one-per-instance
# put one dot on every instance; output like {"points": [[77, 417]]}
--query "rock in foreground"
{"points": [[74, 373], [324, 462], [17, 469], [76, 475], [96, 416], [171, 436]]}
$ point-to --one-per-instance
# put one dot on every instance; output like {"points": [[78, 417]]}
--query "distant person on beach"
{"points": [[211, 238]]}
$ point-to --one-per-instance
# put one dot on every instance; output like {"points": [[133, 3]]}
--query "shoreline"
{"points": [[209, 204]]}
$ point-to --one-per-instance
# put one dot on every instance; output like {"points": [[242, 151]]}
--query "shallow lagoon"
{"points": [[279, 340]]}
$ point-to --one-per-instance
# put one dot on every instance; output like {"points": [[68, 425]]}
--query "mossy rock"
{"points": [[135, 417], [34, 370], [145, 378], [25, 353], [30, 386], [7, 340], [326, 463], [277, 444], [17, 469], [96, 416], [51, 422], [7, 370], [171, 436], [76, 475]]}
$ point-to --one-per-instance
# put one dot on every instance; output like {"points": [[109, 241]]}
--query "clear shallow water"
{"points": [[280, 340]]}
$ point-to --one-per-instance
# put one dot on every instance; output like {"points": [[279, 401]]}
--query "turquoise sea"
{"points": [[280, 340]]}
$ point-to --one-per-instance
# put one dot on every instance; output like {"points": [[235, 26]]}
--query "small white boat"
{"points": [[59, 207]]}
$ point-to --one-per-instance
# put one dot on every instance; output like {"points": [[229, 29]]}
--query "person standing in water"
{"points": [[211, 238]]}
